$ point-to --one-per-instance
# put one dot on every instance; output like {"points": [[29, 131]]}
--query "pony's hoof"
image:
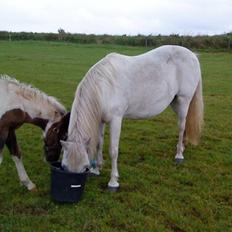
{"points": [[90, 174], [33, 190], [113, 189], [179, 160]]}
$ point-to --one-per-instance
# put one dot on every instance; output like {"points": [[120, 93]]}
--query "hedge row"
{"points": [[223, 41]]}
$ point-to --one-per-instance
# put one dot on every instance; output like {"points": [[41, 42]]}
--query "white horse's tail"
{"points": [[194, 119]]}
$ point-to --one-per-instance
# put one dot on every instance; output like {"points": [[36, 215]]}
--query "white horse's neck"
{"points": [[86, 116]]}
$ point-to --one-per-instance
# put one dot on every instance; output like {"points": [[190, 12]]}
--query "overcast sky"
{"points": [[129, 17]]}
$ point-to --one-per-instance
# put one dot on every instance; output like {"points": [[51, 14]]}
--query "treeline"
{"points": [[223, 41]]}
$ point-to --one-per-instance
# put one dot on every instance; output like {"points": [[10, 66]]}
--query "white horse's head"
{"points": [[75, 156]]}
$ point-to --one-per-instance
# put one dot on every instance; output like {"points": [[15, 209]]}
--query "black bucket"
{"points": [[66, 186]]}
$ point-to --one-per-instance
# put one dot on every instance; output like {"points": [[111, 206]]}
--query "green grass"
{"points": [[155, 194]]}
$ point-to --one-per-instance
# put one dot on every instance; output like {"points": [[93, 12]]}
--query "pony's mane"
{"points": [[31, 93], [87, 107]]}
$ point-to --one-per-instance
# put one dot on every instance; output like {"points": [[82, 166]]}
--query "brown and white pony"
{"points": [[19, 104]]}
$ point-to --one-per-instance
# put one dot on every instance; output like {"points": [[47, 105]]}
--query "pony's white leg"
{"points": [[22, 173], [180, 106], [115, 130]]}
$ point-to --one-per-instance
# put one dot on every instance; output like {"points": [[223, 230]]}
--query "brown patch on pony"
{"points": [[11, 143], [42, 123], [57, 131], [9, 121], [16, 117], [12, 120], [2, 142]]}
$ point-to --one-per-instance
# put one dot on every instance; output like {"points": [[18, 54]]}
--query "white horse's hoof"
{"points": [[179, 160], [113, 184], [94, 172], [113, 189]]}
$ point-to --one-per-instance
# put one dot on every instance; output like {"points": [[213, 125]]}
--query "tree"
{"points": [[61, 34]]}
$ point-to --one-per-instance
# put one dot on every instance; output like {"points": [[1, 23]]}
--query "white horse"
{"points": [[137, 87], [19, 104]]}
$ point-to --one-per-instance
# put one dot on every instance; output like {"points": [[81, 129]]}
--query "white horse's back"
{"points": [[146, 84]]}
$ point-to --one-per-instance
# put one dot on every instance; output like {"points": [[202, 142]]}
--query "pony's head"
{"points": [[75, 156], [56, 132]]}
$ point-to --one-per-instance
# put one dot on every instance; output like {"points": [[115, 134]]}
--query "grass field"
{"points": [[155, 194]]}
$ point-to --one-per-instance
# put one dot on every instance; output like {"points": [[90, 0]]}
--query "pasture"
{"points": [[155, 194]]}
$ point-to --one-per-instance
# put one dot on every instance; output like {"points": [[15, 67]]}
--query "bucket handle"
{"points": [[75, 186]]}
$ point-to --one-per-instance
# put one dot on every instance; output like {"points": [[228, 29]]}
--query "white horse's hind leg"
{"points": [[115, 130], [180, 145], [22, 173], [180, 106]]}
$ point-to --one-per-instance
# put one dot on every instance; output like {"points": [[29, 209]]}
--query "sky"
{"points": [[130, 17]]}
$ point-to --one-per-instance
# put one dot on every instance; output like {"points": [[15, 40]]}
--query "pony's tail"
{"points": [[194, 119]]}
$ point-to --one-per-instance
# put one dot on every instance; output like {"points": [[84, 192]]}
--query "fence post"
{"points": [[145, 41]]}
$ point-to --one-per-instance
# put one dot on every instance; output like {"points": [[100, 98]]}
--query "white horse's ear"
{"points": [[64, 144]]}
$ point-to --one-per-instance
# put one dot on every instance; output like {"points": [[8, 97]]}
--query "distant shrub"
{"points": [[223, 41]]}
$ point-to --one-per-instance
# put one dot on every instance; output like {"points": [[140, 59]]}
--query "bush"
{"points": [[223, 41]]}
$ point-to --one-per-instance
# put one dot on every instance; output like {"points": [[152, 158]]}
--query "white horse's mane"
{"points": [[32, 93], [86, 112]]}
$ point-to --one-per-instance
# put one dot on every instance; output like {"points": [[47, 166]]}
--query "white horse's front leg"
{"points": [[98, 163], [23, 174], [100, 146], [115, 130]]}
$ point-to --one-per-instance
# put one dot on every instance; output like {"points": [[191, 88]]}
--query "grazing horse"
{"points": [[52, 142], [136, 87], [20, 103]]}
